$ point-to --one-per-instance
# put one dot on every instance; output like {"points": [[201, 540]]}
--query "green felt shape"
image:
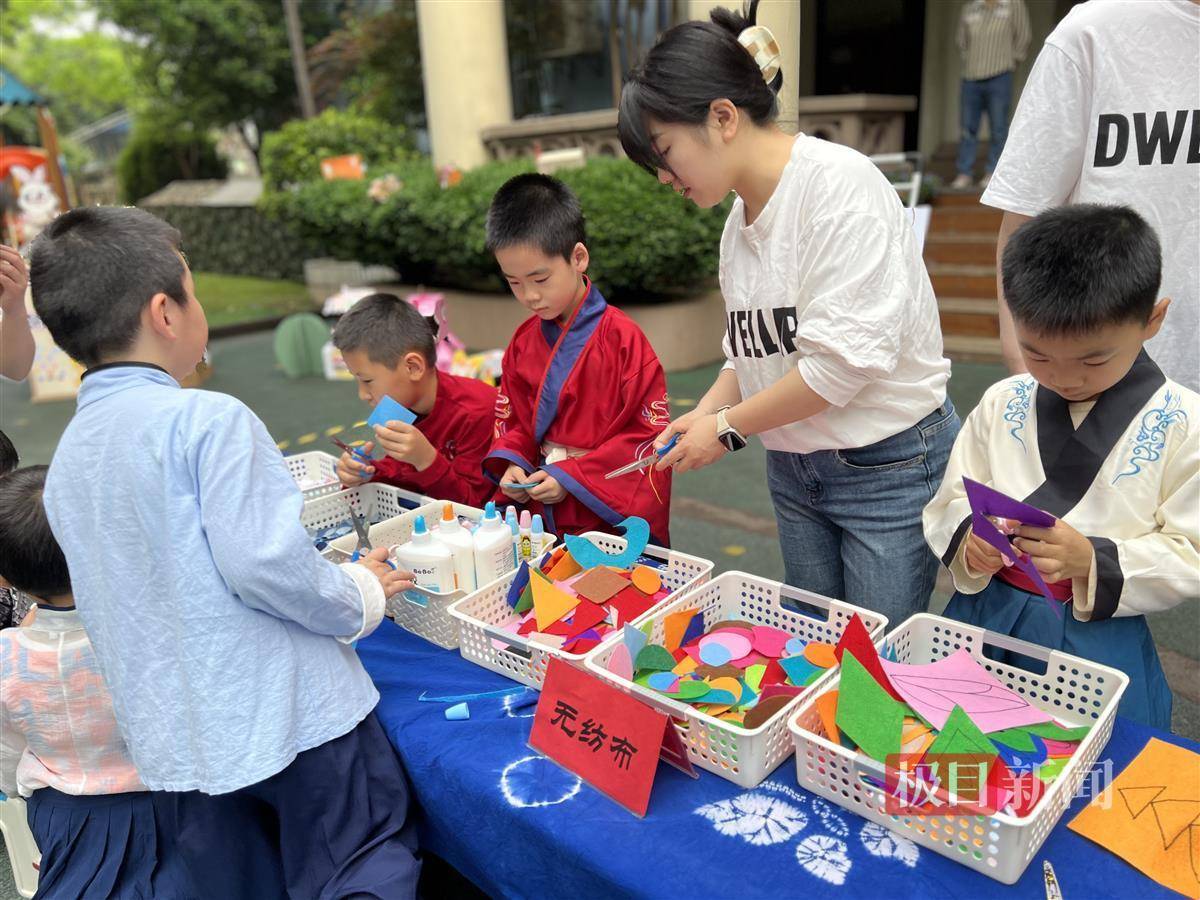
{"points": [[749, 696], [1056, 732], [754, 676], [1016, 738], [643, 679], [720, 698], [654, 658], [691, 690], [299, 340], [1051, 768], [815, 677], [867, 713], [525, 601], [959, 736]]}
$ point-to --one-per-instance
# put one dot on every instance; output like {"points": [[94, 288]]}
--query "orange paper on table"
{"points": [[826, 706], [1150, 816], [646, 580], [674, 625], [563, 567]]}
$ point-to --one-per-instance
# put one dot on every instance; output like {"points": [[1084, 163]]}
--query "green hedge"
{"points": [[236, 241], [293, 154], [644, 241], [156, 155]]}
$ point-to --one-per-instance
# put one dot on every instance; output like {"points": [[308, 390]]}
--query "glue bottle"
{"points": [[525, 541], [427, 559], [537, 536], [510, 519], [493, 547], [458, 541]]}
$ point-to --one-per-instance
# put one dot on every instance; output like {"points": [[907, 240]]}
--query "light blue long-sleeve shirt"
{"points": [[222, 634]]}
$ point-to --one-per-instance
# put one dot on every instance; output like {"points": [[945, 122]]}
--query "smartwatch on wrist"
{"points": [[727, 434]]}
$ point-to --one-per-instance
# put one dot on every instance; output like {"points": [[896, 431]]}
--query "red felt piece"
{"points": [[856, 639]]}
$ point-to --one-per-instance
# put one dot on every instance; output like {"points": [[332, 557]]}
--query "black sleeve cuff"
{"points": [[959, 533], [1110, 580]]}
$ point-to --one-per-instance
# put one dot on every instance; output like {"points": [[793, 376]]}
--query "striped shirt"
{"points": [[993, 37], [57, 727]]}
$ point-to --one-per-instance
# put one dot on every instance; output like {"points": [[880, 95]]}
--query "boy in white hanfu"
{"points": [[1096, 436]]}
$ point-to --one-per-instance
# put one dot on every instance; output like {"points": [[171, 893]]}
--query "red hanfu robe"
{"points": [[598, 390], [460, 428]]}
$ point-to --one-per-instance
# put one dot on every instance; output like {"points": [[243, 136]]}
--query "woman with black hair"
{"points": [[833, 349]]}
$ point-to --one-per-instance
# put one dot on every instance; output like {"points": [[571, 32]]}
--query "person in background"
{"points": [[14, 605], [993, 38]]}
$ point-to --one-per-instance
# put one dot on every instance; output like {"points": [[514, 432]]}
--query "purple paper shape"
{"points": [[986, 501]]}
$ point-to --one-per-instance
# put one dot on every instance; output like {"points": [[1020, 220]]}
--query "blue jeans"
{"points": [[995, 95], [850, 520]]}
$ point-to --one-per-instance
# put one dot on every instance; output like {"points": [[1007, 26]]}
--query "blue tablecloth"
{"points": [[519, 826]]}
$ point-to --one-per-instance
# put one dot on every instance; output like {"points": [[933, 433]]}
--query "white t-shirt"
{"points": [[1111, 114], [829, 280]]}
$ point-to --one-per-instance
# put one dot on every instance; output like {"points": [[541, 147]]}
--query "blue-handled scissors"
{"points": [[356, 452], [648, 460], [363, 547]]}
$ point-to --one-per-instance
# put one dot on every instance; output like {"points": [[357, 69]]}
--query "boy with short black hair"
{"points": [[224, 637], [582, 391], [1096, 436], [389, 348]]}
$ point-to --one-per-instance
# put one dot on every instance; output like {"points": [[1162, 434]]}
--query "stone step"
{"points": [[965, 348], [969, 317], [973, 219], [954, 280], [961, 249]]}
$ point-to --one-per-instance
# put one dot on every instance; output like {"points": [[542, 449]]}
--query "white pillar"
{"points": [[464, 64], [783, 18]]}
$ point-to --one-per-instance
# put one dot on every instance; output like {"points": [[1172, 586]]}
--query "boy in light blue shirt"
{"points": [[224, 637]]}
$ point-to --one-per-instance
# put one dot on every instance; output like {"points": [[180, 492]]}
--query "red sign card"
{"points": [[606, 737]]}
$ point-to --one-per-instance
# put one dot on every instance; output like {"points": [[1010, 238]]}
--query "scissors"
{"points": [[363, 547], [354, 451], [645, 461]]}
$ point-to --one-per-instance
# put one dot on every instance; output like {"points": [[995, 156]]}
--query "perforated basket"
{"points": [[315, 464], [481, 614], [1000, 846], [375, 501], [744, 756], [421, 611]]}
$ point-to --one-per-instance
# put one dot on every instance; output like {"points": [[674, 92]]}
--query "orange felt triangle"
{"points": [[674, 627], [550, 603], [826, 706], [564, 567]]}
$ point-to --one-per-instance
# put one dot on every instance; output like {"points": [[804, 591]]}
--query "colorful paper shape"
{"points": [[654, 658], [959, 735], [1057, 732], [1150, 816], [675, 626], [821, 654], [798, 669], [761, 712], [599, 585], [635, 639], [770, 642], [388, 410], [958, 680], [646, 579], [866, 712], [856, 639], [550, 603], [517, 587], [986, 501], [827, 705], [620, 663], [588, 555], [563, 568]]}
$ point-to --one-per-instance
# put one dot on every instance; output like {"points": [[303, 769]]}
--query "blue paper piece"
{"points": [[388, 410], [718, 697], [458, 712], [1022, 760], [889, 652], [798, 669], [519, 582], [588, 555], [635, 639], [795, 646], [714, 654], [662, 681], [694, 630]]}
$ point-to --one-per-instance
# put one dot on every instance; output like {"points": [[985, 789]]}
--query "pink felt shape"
{"points": [[620, 663], [770, 641], [933, 690], [737, 645], [1057, 749], [753, 659]]}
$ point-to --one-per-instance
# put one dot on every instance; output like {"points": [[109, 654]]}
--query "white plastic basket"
{"points": [[481, 614], [314, 464], [423, 612], [744, 756], [1000, 846], [375, 501]]}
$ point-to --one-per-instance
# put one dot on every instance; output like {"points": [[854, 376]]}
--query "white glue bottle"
{"points": [[493, 547], [524, 542], [537, 536], [458, 541], [510, 519], [427, 559]]}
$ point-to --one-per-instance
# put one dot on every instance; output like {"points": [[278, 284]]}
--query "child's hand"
{"points": [[352, 472], [548, 489], [1058, 553], [393, 581], [405, 443], [514, 474], [983, 558], [13, 280]]}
